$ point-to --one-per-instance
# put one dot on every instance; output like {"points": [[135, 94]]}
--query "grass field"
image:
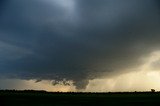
{"points": [[41, 98]]}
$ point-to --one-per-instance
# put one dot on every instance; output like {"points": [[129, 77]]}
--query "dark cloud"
{"points": [[55, 41], [2, 5], [38, 80], [63, 82]]}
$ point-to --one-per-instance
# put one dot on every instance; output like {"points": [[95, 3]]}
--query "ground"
{"points": [[42, 98]]}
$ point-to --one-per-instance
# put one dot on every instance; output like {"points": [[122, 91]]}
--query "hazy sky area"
{"points": [[80, 45]]}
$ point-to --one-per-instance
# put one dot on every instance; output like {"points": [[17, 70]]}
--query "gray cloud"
{"points": [[63, 82], [80, 44]]}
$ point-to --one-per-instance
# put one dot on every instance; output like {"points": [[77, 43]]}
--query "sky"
{"points": [[80, 45]]}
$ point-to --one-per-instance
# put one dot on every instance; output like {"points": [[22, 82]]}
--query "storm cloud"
{"points": [[76, 40]]}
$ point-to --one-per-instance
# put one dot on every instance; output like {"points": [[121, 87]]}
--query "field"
{"points": [[42, 98]]}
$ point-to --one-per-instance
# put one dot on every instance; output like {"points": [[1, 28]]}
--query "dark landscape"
{"points": [[43, 98]]}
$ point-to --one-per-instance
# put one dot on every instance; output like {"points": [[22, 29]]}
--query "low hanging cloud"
{"points": [[77, 40], [63, 82], [19, 84]]}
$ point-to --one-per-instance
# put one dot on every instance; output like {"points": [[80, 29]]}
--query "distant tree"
{"points": [[153, 90]]}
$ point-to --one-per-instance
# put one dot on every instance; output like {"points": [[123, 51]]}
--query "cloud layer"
{"points": [[76, 40]]}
